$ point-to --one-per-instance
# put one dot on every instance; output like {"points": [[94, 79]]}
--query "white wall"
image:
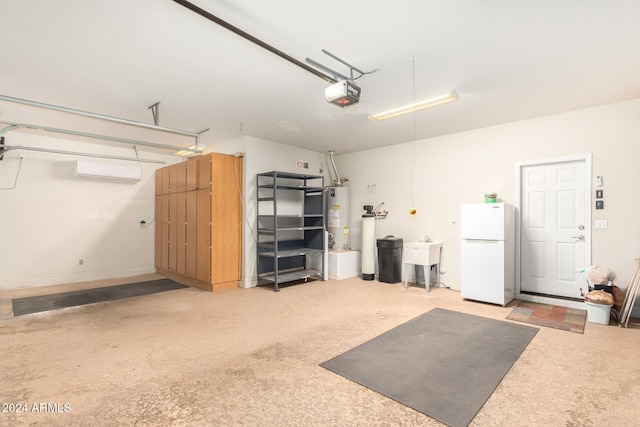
{"points": [[446, 171], [52, 219]]}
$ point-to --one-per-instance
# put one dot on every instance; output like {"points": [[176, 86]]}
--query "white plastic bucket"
{"points": [[598, 313]]}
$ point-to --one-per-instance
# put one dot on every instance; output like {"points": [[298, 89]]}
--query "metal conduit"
{"points": [[335, 168], [253, 39], [13, 126], [96, 116], [7, 148]]}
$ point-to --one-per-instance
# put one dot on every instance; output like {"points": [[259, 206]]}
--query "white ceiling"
{"points": [[507, 59]]}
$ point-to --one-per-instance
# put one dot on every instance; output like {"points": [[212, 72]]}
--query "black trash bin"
{"points": [[390, 259]]}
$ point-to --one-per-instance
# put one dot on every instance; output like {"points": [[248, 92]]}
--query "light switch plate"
{"points": [[601, 223]]}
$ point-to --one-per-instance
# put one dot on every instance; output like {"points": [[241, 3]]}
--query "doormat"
{"points": [[442, 363], [551, 316], [37, 304]]}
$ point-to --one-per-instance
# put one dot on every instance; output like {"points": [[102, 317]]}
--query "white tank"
{"points": [[338, 218], [368, 244]]}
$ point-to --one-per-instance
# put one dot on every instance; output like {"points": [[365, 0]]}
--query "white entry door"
{"points": [[555, 229]]}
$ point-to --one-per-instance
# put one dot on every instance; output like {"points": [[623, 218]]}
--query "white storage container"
{"points": [[598, 313]]}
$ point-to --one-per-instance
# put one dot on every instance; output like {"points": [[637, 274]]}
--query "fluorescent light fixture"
{"points": [[416, 106], [190, 151]]}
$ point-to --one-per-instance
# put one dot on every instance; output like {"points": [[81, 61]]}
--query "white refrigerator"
{"points": [[488, 252]]}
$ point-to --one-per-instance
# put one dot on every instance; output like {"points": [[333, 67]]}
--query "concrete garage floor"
{"points": [[250, 357]]}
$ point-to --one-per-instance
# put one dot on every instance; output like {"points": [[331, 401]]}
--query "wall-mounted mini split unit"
{"points": [[90, 169]]}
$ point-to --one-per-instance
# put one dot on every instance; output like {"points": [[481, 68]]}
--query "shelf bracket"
{"points": [[155, 110]]}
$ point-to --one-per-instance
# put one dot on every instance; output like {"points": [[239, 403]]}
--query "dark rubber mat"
{"points": [[443, 363], [30, 305]]}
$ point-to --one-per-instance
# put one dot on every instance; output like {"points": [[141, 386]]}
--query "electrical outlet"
{"points": [[601, 223]]}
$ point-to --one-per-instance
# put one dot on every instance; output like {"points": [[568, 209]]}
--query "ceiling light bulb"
{"points": [[416, 106]]}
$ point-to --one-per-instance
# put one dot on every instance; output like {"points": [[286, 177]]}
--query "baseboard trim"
{"points": [[66, 278]]}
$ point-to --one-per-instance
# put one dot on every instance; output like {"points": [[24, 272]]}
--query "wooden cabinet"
{"points": [[199, 221]]}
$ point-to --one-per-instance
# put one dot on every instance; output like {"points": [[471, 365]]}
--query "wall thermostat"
{"points": [[599, 204]]}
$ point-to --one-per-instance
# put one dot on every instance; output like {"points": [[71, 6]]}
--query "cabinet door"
{"points": [[173, 178], [180, 170], [164, 231], [158, 182], [203, 240], [164, 180], [181, 225], [191, 234], [173, 231], [192, 174], [204, 171], [157, 253], [226, 219]]}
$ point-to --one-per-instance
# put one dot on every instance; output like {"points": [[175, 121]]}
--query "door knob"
{"points": [[579, 237]]}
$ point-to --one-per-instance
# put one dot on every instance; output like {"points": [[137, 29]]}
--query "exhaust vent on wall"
{"points": [[90, 169]]}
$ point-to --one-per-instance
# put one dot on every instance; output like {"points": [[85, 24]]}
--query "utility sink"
{"points": [[425, 254]]}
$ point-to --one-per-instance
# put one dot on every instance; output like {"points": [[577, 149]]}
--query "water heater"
{"points": [[338, 218]]}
